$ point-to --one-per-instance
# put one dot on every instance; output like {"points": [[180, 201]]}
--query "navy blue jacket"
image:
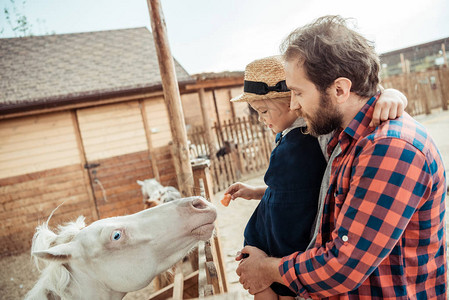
{"points": [[282, 222]]}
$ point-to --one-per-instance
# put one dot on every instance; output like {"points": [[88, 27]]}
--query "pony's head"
{"points": [[122, 254]]}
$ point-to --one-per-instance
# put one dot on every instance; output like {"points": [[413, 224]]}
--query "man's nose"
{"points": [[294, 105]]}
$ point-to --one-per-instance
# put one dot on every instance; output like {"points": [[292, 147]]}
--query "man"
{"points": [[381, 234]]}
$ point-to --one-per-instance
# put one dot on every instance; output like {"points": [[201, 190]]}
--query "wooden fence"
{"points": [[241, 147], [424, 90]]}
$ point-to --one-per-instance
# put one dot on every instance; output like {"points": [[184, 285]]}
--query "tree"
{"points": [[16, 19]]}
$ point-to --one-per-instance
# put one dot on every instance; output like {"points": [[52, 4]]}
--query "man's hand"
{"points": [[257, 271]]}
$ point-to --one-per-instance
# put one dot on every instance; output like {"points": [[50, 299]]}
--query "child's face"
{"points": [[275, 114]]}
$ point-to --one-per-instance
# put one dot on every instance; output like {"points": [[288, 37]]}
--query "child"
{"points": [[296, 168]]}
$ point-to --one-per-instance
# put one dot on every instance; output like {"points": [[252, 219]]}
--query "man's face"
{"points": [[317, 108]]}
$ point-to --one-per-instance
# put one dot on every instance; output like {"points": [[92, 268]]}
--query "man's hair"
{"points": [[329, 49]]}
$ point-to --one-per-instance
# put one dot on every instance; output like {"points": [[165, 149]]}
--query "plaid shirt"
{"points": [[382, 233]]}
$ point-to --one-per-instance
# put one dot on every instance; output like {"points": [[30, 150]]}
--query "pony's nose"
{"points": [[200, 203]]}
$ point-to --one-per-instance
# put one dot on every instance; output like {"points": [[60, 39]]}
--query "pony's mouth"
{"points": [[204, 231]]}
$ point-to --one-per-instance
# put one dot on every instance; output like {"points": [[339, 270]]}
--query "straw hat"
{"points": [[264, 79]]}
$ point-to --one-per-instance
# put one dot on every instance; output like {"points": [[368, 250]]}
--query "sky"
{"points": [[225, 35]]}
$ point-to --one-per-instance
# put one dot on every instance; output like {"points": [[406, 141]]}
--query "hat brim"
{"points": [[246, 97]]}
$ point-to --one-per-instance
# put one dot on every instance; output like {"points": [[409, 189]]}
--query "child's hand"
{"points": [[239, 256], [226, 199], [245, 191], [391, 104]]}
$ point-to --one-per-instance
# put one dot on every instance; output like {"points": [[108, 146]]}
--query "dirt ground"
{"points": [[17, 274]]}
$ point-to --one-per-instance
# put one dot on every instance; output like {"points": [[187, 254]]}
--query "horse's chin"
{"points": [[204, 232]]}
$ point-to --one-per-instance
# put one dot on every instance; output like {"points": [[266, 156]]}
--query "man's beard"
{"points": [[325, 119]]}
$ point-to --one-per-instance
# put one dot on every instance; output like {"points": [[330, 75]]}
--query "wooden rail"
{"points": [[209, 274]]}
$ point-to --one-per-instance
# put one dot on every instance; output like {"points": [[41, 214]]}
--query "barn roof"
{"points": [[47, 71]]}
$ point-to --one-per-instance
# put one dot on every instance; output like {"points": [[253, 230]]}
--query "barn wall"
{"points": [[115, 143], [222, 97], [158, 122], [43, 162], [33, 144], [112, 130], [240, 108], [40, 168], [28, 200], [166, 167], [114, 183], [192, 110]]}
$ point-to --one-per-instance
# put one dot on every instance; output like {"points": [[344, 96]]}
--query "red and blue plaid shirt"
{"points": [[382, 233]]}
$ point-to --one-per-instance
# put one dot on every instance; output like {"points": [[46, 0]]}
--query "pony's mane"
{"points": [[55, 277]]}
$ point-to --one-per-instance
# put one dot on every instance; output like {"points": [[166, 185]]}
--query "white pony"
{"points": [[155, 193], [113, 256]]}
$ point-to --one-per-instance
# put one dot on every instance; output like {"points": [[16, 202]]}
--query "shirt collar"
{"points": [[357, 127], [360, 123]]}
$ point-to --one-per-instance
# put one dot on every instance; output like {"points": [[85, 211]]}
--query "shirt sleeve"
{"points": [[390, 179]]}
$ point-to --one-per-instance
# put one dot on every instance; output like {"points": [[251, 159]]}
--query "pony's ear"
{"points": [[61, 253]]}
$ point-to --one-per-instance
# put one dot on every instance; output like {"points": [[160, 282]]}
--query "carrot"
{"points": [[226, 199]]}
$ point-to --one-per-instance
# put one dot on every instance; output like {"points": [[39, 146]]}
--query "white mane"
{"points": [[55, 277]]}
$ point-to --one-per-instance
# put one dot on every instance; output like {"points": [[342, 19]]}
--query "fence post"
{"points": [[443, 89], [426, 88], [206, 122]]}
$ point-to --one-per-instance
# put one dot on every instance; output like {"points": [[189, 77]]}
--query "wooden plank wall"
{"points": [[241, 109], [40, 168], [111, 130], [167, 172], [43, 160], [222, 96], [114, 183], [32, 144], [27, 200], [192, 111], [159, 122]]}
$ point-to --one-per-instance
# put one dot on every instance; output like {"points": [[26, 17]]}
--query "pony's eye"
{"points": [[116, 235]]}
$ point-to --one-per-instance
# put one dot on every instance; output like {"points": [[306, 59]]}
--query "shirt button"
{"points": [[344, 238]]}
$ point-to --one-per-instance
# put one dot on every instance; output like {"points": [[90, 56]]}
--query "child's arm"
{"points": [[391, 104], [245, 191]]}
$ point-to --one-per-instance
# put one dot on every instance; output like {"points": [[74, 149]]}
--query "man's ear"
{"points": [[341, 89]]}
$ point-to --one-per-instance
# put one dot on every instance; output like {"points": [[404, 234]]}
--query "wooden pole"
{"points": [[443, 49], [219, 130], [180, 152], [172, 98], [206, 123], [404, 67], [443, 89], [231, 105]]}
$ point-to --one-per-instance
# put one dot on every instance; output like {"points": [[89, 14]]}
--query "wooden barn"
{"points": [[82, 117]]}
